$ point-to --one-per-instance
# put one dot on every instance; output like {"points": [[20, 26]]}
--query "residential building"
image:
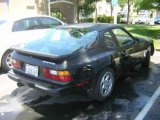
{"points": [[14, 8]]}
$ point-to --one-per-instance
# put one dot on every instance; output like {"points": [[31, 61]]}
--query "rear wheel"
{"points": [[7, 61], [104, 85]]}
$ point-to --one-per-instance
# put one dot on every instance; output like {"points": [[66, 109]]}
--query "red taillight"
{"points": [[63, 76], [16, 64]]}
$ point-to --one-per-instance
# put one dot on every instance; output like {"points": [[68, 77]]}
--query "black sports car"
{"points": [[87, 57]]}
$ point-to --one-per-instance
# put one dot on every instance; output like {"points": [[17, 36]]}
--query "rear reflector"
{"points": [[63, 76], [16, 64], [81, 84]]}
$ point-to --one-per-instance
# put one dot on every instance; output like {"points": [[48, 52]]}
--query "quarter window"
{"points": [[108, 40], [20, 25], [122, 37]]}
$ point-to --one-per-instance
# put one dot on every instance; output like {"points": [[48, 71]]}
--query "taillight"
{"points": [[63, 76], [16, 64]]}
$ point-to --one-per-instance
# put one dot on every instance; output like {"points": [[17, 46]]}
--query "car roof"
{"points": [[91, 26], [17, 18]]}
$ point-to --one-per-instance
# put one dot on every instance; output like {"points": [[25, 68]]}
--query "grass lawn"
{"points": [[146, 31]]}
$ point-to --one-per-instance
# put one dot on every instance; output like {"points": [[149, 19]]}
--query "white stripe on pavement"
{"points": [[148, 106]]}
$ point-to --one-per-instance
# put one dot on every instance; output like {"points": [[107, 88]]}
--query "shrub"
{"points": [[87, 20], [120, 17], [104, 19]]}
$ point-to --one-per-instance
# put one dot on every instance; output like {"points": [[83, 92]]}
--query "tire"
{"points": [[146, 61], [19, 84], [103, 86], [7, 61]]}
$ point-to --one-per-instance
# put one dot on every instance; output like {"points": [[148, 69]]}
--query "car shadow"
{"points": [[2, 72], [74, 106]]}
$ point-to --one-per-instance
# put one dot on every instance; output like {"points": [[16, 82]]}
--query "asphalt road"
{"points": [[129, 97]]}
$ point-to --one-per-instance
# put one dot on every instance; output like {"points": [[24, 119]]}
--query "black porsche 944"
{"points": [[86, 56]]}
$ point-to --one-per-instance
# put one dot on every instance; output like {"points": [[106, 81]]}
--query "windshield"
{"points": [[64, 41]]}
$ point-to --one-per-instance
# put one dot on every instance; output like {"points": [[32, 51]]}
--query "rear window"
{"points": [[64, 41]]}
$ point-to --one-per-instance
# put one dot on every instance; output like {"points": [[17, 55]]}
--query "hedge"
{"points": [[104, 19]]}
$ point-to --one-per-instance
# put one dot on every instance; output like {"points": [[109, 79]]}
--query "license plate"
{"points": [[31, 70]]}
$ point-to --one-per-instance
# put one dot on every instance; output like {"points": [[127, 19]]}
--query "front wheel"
{"points": [[104, 85], [147, 57]]}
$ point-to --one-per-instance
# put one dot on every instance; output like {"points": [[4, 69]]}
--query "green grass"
{"points": [[145, 31]]}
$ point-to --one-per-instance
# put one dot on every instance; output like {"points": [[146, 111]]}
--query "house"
{"points": [[14, 8]]}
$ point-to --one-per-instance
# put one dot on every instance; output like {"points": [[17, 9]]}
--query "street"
{"points": [[129, 97]]}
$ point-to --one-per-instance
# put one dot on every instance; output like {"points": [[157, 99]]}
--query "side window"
{"points": [[122, 37], [33, 23], [20, 25], [108, 40], [48, 22]]}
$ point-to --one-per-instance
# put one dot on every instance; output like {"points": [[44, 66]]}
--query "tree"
{"points": [[77, 6], [129, 2], [147, 4], [110, 2], [88, 7]]}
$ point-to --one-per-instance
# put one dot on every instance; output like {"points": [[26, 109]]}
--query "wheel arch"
{"points": [[111, 65]]}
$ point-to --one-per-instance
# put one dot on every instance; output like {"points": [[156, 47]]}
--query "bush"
{"points": [[58, 15], [87, 20], [119, 17], [104, 19]]}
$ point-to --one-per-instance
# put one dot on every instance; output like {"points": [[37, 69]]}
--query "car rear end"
{"points": [[41, 73], [47, 63]]}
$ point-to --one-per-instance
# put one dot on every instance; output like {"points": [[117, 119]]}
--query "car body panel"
{"points": [[142, 19]]}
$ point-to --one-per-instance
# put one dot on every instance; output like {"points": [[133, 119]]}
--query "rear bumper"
{"points": [[43, 87]]}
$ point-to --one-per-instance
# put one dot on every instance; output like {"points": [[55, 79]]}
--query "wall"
{"points": [[23, 7]]}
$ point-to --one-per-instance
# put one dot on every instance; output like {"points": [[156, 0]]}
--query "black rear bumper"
{"points": [[43, 87]]}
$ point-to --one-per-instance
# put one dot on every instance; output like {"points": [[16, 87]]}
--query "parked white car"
{"points": [[141, 20], [19, 30]]}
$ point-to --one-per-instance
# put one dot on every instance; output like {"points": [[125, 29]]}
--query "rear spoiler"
{"points": [[33, 53]]}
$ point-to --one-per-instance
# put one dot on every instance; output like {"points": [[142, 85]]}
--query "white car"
{"points": [[18, 31], [141, 20]]}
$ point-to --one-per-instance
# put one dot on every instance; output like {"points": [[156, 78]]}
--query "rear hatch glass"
{"points": [[63, 41]]}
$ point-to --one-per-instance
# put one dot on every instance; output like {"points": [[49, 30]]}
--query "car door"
{"points": [[110, 45], [129, 50]]}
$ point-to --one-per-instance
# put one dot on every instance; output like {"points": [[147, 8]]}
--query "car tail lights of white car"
{"points": [[16, 64], [63, 76]]}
